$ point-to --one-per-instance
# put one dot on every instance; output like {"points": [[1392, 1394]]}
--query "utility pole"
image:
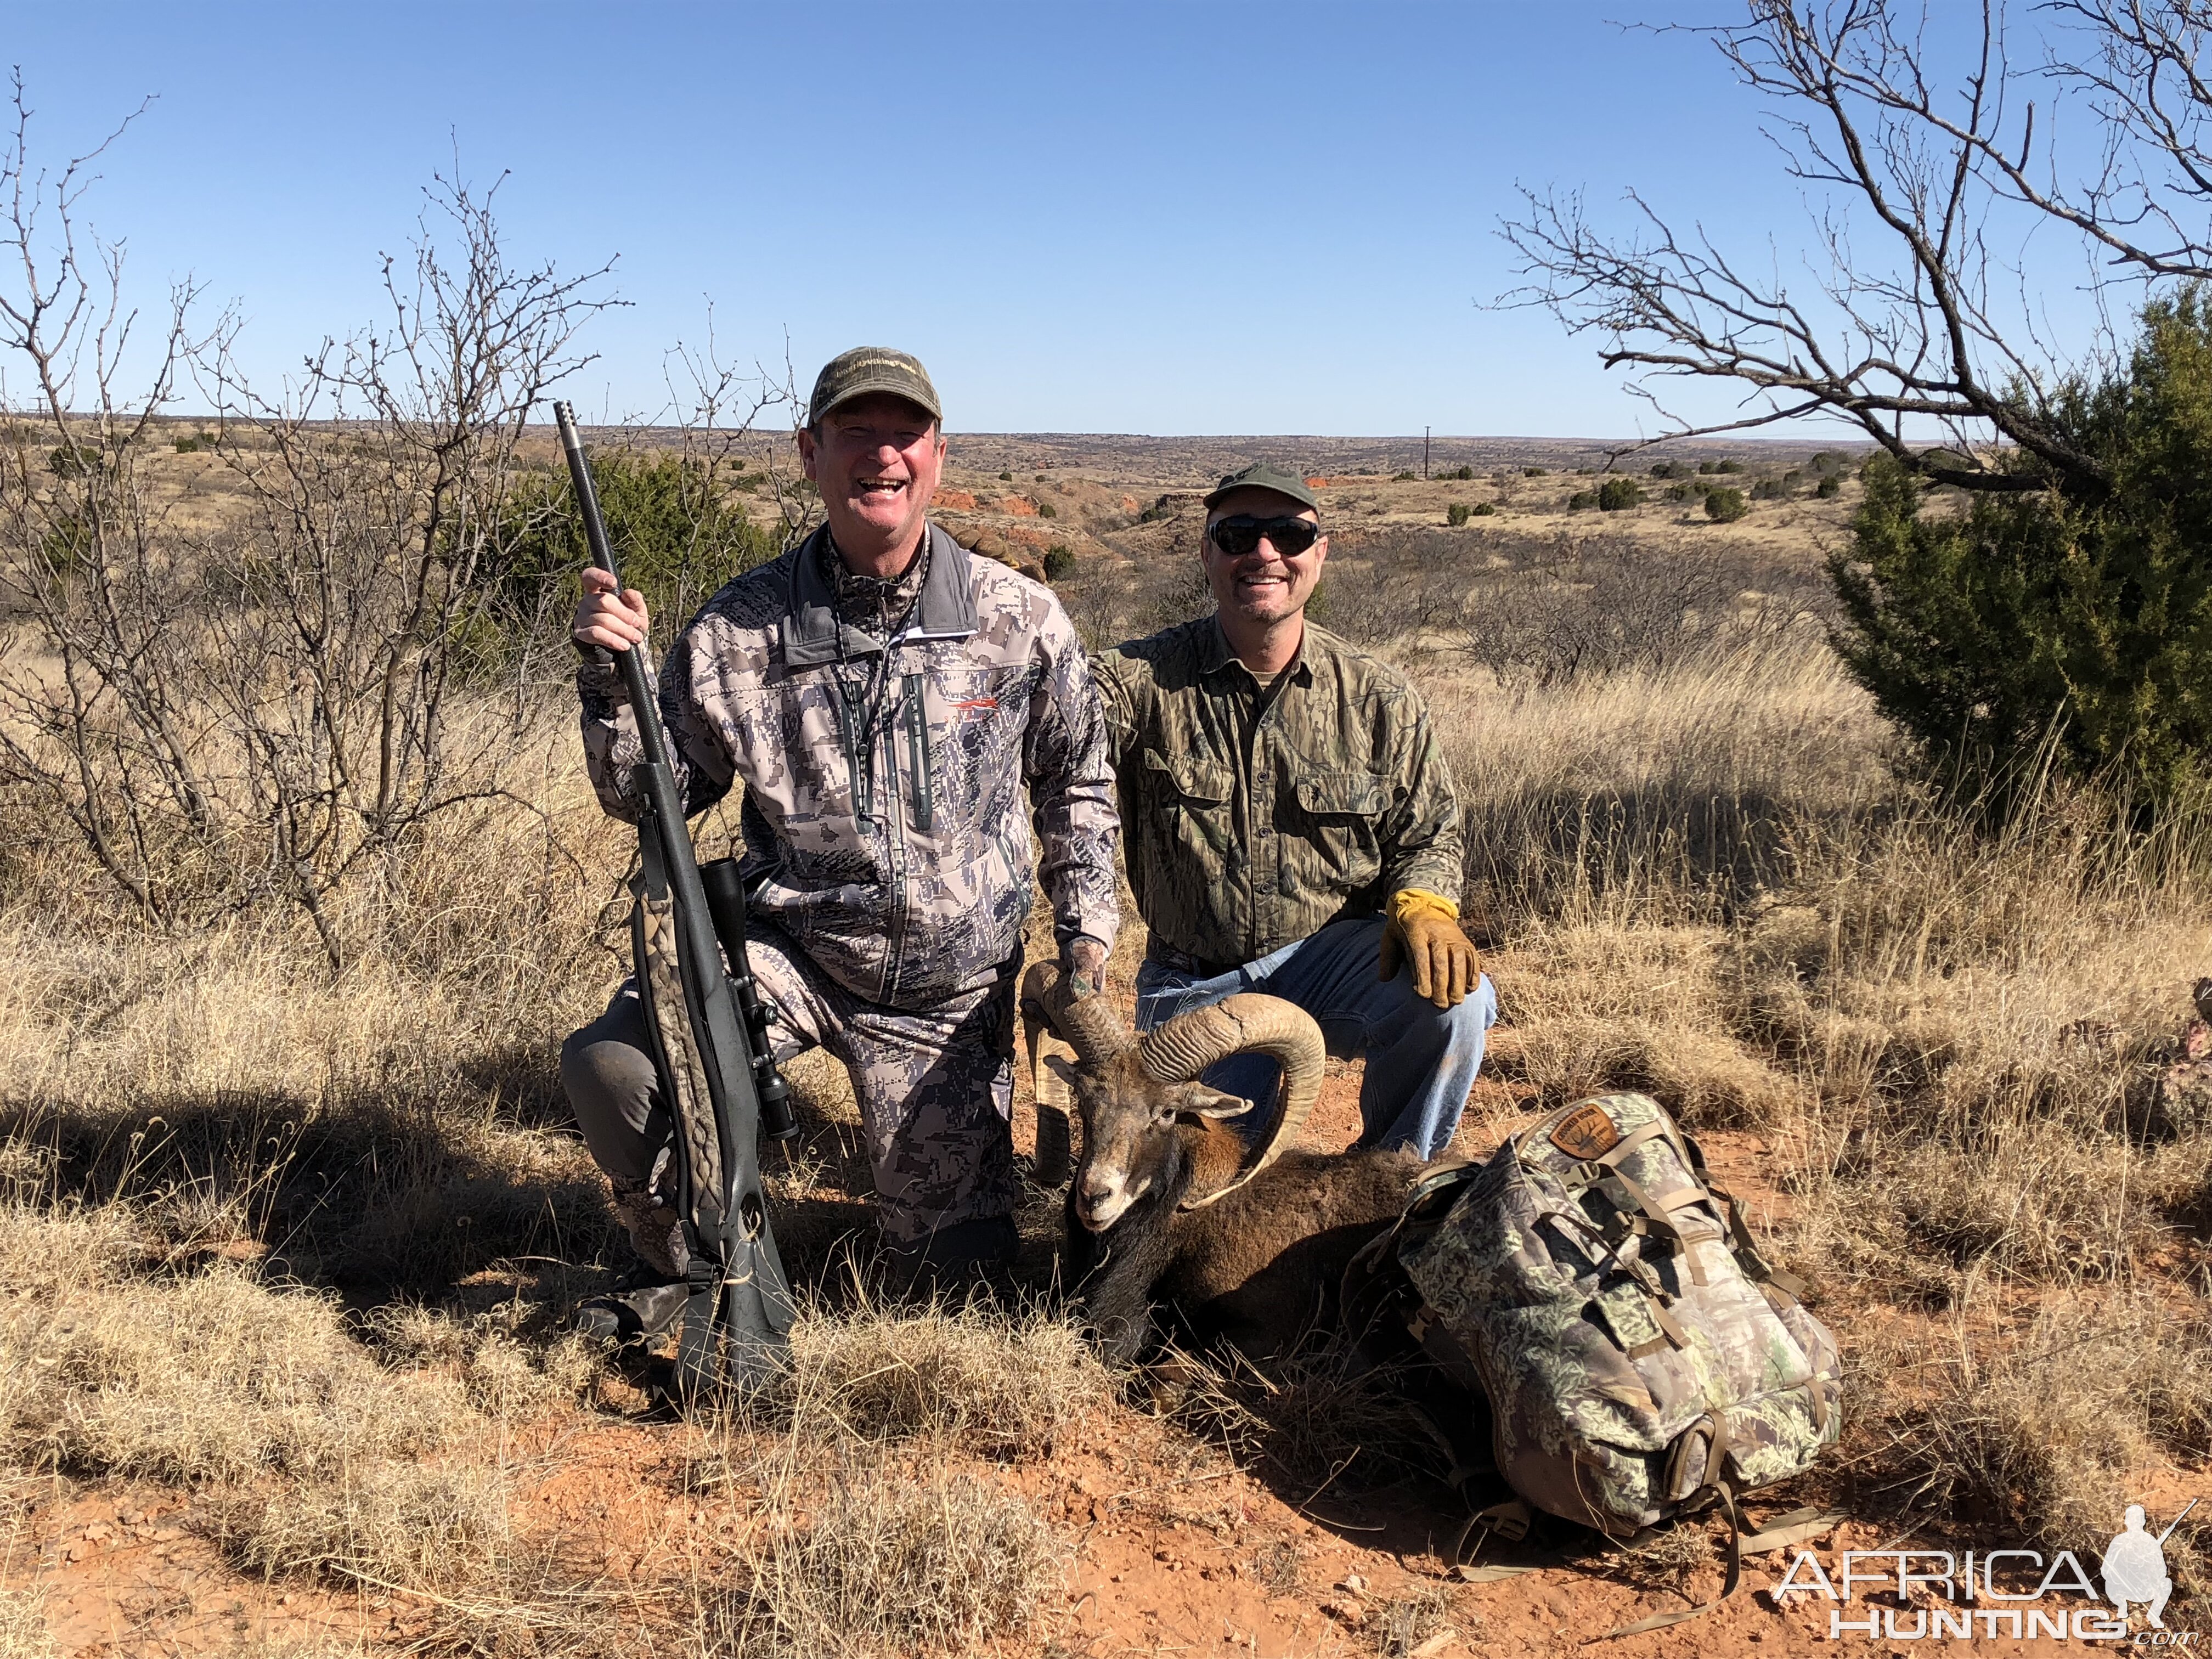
{"points": [[1424, 454]]}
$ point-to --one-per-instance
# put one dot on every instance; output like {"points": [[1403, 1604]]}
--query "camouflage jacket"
{"points": [[898, 857], [1255, 818]]}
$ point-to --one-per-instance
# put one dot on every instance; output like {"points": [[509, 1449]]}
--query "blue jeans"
{"points": [[1421, 1058]]}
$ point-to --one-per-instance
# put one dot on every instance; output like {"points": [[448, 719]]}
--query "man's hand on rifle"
{"points": [[611, 621]]}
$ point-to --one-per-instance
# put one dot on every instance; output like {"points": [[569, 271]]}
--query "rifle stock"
{"points": [[715, 1066]]}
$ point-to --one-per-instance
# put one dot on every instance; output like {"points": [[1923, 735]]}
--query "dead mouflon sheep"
{"points": [[1170, 1207]]}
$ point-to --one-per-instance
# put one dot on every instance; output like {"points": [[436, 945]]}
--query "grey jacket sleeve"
{"points": [[1065, 764]]}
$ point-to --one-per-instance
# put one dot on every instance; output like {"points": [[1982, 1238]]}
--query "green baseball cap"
{"points": [[864, 369], [1264, 475]]}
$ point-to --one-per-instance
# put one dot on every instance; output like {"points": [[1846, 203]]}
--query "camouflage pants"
{"points": [[935, 1091]]}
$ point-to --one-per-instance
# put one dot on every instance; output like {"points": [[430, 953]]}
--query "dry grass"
{"points": [[23, 1630], [383, 1524], [884, 1563], [1001, 1386], [2040, 1434], [209, 1375]]}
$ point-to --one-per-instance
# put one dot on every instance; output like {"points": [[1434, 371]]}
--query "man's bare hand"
{"points": [[1086, 957], [614, 621]]}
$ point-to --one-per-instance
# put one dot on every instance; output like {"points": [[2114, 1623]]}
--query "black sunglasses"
{"points": [[1238, 535]]}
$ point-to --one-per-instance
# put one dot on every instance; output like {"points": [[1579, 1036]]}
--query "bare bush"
{"points": [[262, 710]]}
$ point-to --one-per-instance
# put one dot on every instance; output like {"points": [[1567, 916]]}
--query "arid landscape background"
{"points": [[295, 1214]]}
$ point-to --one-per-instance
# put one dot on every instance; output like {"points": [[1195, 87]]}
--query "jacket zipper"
{"points": [[917, 744], [857, 761]]}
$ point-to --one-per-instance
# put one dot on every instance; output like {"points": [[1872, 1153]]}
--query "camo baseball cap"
{"points": [[1265, 475], [864, 369]]}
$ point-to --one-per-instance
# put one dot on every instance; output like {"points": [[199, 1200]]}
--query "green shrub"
{"points": [[1725, 505], [1458, 474], [1403, 477], [1828, 486], [1616, 494], [73, 461], [1681, 492], [1728, 467], [1826, 461], [1792, 479], [1704, 468], [1581, 500], [1766, 491], [1456, 514], [2083, 608], [1047, 510], [1484, 509], [186, 446], [1006, 478], [1059, 560], [1040, 478], [1664, 470], [676, 535], [1535, 471]]}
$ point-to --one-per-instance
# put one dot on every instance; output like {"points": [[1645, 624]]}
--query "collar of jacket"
{"points": [[813, 633], [1215, 654]]}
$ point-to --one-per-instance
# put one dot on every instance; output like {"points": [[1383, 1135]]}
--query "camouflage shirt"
{"points": [[1256, 817], [894, 850]]}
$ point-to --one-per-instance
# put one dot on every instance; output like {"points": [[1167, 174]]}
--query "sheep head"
{"points": [[1135, 1092]]}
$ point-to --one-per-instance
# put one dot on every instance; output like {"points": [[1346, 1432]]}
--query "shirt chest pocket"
{"points": [[1340, 837], [1191, 803]]}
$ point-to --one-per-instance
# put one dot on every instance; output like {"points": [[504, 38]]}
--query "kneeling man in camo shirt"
{"points": [[885, 700], [1291, 828]]}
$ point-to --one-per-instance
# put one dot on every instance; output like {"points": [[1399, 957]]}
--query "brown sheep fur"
{"points": [[1255, 1269]]}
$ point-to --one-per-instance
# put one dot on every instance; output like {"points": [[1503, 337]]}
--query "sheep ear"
{"points": [[1196, 1100]]}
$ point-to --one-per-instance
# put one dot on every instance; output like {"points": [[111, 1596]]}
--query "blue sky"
{"points": [[1200, 217]]}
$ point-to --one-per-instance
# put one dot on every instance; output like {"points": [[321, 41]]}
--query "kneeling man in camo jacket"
{"points": [[1291, 826], [884, 698]]}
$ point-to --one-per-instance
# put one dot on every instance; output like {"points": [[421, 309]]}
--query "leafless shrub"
{"points": [[262, 711]]}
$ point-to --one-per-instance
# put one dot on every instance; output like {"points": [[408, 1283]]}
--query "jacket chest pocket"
{"points": [[1342, 829], [960, 743]]}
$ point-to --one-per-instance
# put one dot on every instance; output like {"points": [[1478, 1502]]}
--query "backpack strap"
{"points": [[1720, 1489]]}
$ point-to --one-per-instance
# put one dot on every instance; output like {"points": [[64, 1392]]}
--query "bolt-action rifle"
{"points": [[715, 1066]]}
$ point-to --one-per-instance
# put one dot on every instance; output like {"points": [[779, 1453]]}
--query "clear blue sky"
{"points": [[1194, 217]]}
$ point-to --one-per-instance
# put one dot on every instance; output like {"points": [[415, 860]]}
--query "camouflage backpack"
{"points": [[1640, 1359]]}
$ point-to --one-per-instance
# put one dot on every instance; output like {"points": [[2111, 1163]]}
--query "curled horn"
{"points": [[1087, 1021], [1248, 1023]]}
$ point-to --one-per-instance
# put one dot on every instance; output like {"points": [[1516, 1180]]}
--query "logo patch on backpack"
{"points": [[1587, 1132]]}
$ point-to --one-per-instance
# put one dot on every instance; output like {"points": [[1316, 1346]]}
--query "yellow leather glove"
{"points": [[1423, 928]]}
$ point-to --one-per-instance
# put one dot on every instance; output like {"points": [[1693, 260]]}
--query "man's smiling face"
{"points": [[876, 460], [1266, 585]]}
